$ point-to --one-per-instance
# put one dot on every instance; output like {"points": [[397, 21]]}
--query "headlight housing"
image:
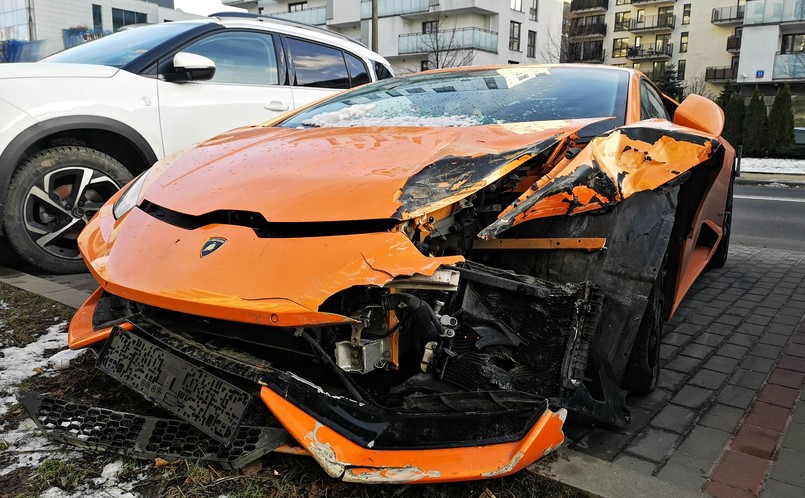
{"points": [[128, 200]]}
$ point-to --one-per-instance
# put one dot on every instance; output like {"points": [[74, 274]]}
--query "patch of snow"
{"points": [[28, 448], [773, 165], [4, 305], [21, 363], [777, 185], [360, 115]]}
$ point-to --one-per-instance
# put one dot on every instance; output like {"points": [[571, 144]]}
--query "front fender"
{"points": [[613, 167]]}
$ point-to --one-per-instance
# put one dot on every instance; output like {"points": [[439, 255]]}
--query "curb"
{"points": [[602, 479], [793, 180], [57, 292]]}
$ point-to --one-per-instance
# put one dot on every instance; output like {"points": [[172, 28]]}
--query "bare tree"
{"points": [[699, 86], [444, 46]]}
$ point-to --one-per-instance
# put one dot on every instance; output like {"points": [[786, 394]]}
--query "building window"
{"points": [[622, 20], [793, 44], [532, 44], [532, 13], [429, 27], [296, 6], [423, 65], [97, 18], [641, 16], [686, 14], [683, 42], [122, 18], [620, 46], [680, 69], [514, 62], [514, 36], [661, 44], [623, 2], [517, 5]]}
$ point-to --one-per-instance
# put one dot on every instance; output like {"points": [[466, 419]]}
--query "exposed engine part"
{"points": [[442, 279], [363, 357], [427, 356]]}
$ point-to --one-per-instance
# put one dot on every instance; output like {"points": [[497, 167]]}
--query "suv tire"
{"points": [[51, 197]]}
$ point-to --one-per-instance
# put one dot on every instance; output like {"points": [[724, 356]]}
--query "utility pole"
{"points": [[374, 25]]}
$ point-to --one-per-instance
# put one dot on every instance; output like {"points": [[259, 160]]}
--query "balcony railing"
{"points": [[728, 15], [721, 73], [448, 39], [313, 16], [648, 2], [733, 43], [592, 56], [650, 51], [394, 7], [663, 22], [588, 30], [774, 11], [789, 66], [588, 5]]}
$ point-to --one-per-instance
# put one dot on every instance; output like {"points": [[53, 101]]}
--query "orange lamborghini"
{"points": [[412, 281]]}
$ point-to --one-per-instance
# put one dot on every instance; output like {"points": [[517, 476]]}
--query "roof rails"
{"points": [[282, 20]]}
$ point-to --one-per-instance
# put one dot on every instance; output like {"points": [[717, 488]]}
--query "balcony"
{"points": [[733, 44], [789, 66], [728, 15], [774, 11], [240, 3], [314, 16], [651, 2], [653, 24], [589, 6], [447, 40], [650, 51], [387, 8], [596, 30], [720, 74]]}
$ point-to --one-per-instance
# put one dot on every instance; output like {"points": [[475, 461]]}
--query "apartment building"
{"points": [[773, 51], [425, 34], [700, 38], [59, 24]]}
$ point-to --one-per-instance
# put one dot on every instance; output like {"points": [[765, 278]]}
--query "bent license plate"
{"points": [[209, 403]]}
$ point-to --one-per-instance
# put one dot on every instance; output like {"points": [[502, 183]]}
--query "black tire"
{"points": [[51, 197], [643, 368], [719, 258]]}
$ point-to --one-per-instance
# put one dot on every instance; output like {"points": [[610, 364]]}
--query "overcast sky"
{"points": [[202, 7]]}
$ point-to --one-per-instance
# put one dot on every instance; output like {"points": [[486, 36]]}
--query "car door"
{"points": [[247, 88], [320, 70]]}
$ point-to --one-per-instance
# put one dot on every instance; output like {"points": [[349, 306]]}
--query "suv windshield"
{"points": [[119, 49], [479, 97]]}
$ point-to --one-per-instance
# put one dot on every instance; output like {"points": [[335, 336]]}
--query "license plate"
{"points": [[206, 401]]}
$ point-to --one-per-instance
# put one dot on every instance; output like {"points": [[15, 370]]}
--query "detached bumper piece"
{"points": [[146, 437]]}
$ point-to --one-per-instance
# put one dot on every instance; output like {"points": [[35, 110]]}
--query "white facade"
{"points": [[418, 34], [701, 38], [51, 17]]}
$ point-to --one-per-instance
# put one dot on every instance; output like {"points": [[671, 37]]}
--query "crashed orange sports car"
{"points": [[413, 281]]}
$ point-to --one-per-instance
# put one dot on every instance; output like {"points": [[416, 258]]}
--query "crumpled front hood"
{"points": [[327, 174]]}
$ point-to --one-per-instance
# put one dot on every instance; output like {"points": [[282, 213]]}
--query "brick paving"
{"points": [[727, 416]]}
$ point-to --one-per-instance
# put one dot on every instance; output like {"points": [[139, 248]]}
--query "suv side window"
{"points": [[382, 72], [318, 65], [358, 74], [241, 57], [651, 103]]}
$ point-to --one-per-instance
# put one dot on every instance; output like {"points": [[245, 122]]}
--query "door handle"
{"points": [[276, 105]]}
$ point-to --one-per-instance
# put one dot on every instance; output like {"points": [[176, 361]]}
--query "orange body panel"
{"points": [[340, 457], [81, 333]]}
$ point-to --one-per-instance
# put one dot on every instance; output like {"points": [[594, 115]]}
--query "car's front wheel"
{"points": [[51, 197], [643, 369]]}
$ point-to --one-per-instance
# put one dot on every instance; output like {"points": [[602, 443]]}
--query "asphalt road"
{"points": [[769, 217]]}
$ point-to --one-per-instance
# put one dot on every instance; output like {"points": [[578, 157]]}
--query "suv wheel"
{"points": [[51, 197]]}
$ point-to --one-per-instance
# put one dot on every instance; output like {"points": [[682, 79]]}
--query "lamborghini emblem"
{"points": [[211, 246]]}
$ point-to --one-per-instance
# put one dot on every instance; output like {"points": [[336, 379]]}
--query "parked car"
{"points": [[413, 281], [81, 123]]}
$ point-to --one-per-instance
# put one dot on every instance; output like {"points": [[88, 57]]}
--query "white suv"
{"points": [[78, 125]]}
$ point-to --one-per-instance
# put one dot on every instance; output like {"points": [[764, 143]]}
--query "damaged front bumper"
{"points": [[213, 392]]}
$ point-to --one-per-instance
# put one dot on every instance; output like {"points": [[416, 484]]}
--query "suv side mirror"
{"points": [[192, 67]]}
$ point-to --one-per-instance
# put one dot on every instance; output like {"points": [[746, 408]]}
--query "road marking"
{"points": [[763, 198]]}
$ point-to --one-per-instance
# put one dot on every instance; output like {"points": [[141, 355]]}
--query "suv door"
{"points": [[247, 88]]}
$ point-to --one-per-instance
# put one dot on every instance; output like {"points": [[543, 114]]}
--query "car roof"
{"points": [[493, 67]]}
